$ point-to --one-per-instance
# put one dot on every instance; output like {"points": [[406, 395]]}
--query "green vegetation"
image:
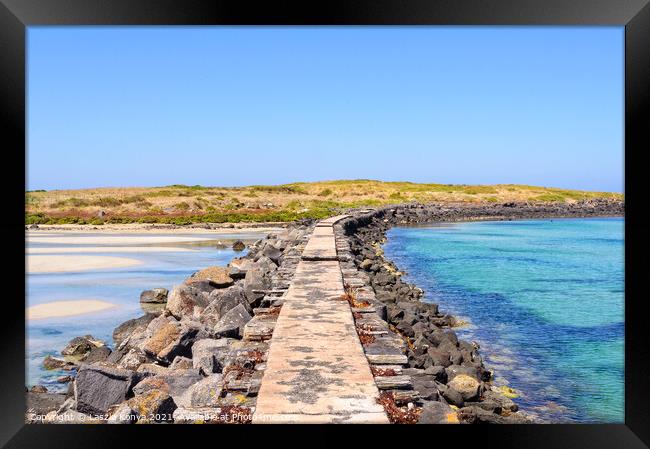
{"points": [[286, 188], [549, 197], [181, 204], [182, 207]]}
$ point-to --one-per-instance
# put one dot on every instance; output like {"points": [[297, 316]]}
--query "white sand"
{"points": [[61, 264], [66, 308], [113, 239], [153, 229], [107, 249]]}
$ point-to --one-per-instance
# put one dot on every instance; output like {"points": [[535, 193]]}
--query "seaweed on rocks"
{"points": [[398, 414]]}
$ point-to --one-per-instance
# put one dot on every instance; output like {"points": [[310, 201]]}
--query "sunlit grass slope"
{"points": [[183, 204]]}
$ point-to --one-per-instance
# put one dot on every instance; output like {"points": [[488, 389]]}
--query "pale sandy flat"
{"points": [[153, 229], [58, 309], [106, 249], [62, 264], [114, 239]]}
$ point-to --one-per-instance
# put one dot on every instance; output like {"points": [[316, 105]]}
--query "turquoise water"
{"points": [[120, 286], [544, 298]]}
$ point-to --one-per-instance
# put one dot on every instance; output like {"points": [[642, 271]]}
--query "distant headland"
{"points": [[184, 204]]}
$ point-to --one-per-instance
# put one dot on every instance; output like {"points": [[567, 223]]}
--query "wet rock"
{"points": [[154, 296], [64, 379], [490, 406], [80, 346], [232, 323], [51, 363], [238, 245], [38, 389], [185, 301], [476, 415], [96, 388], [504, 402], [466, 385]]}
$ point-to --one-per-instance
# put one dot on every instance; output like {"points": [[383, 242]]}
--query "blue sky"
{"points": [[124, 106]]}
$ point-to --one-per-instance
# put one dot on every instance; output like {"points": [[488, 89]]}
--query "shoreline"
{"points": [[149, 228]]}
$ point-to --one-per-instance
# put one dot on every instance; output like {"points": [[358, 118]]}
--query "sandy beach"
{"points": [[59, 309], [62, 264], [107, 249], [156, 228], [114, 239]]}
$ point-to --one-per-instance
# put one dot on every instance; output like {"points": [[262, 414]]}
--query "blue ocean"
{"points": [[543, 298]]}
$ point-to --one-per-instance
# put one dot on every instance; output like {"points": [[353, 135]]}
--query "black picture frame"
{"points": [[634, 15]]}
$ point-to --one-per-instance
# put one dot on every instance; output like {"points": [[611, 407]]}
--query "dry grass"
{"points": [[270, 203]]}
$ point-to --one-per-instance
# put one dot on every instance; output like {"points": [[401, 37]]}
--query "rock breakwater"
{"points": [[197, 358], [200, 356]]}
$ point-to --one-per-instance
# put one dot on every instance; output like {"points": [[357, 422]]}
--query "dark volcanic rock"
{"points": [[96, 388], [97, 354], [437, 413]]}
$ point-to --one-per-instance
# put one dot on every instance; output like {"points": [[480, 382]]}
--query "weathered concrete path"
{"points": [[317, 371]]}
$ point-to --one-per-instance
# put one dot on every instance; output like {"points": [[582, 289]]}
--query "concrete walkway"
{"points": [[317, 371]]}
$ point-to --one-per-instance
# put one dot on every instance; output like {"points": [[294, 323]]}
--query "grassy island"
{"points": [[183, 204]]}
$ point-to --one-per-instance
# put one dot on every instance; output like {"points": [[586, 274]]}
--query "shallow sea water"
{"points": [[121, 286], [544, 299]]}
